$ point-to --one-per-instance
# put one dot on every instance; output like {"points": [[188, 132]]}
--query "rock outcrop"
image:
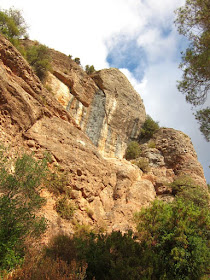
{"points": [[78, 120], [104, 105], [33, 119], [173, 156]]}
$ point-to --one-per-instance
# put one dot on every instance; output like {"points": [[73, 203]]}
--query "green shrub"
{"points": [[48, 88], [148, 129], [18, 205], [133, 150], [89, 69], [142, 163], [180, 183], [65, 208], [39, 266], [38, 57], [184, 187], [57, 181], [61, 247], [111, 256], [174, 238], [77, 60], [151, 144]]}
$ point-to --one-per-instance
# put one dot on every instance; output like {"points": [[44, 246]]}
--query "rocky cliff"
{"points": [[104, 105], [85, 123]]}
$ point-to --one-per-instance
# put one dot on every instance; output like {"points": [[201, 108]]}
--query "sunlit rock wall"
{"points": [[112, 113]]}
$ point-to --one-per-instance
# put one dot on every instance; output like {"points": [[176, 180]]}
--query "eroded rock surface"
{"points": [[104, 105], [86, 118], [172, 157], [33, 119]]}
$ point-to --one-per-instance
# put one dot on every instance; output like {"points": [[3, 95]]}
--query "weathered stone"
{"points": [[112, 189], [154, 156], [113, 111], [179, 154], [73, 76], [124, 112]]}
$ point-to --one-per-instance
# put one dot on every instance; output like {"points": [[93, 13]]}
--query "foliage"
{"points": [[12, 25], [18, 204], [39, 58], [151, 144], [89, 69], [142, 163], [180, 183], [133, 150], [184, 187], [38, 266], [77, 60], [57, 181], [174, 238], [62, 247], [83, 230], [65, 208], [115, 256], [111, 256], [203, 118], [148, 129], [172, 243], [193, 22]]}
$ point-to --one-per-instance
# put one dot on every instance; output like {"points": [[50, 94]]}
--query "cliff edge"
{"points": [[85, 123]]}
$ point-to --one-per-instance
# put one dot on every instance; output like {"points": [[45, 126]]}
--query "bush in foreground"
{"points": [[175, 239], [18, 205]]}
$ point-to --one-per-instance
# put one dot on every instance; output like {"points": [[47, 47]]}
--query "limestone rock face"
{"points": [[81, 86], [124, 112], [77, 132], [104, 105], [31, 118], [173, 156], [179, 154]]}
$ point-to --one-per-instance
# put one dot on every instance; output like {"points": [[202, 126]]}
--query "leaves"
{"points": [[18, 204], [148, 129], [39, 58], [175, 238], [12, 25], [203, 118], [133, 150], [193, 21]]}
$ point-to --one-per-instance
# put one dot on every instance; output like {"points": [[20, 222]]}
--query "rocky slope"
{"points": [[79, 120]]}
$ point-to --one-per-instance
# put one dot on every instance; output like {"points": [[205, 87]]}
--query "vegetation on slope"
{"points": [[14, 28], [171, 240], [20, 183], [148, 129]]}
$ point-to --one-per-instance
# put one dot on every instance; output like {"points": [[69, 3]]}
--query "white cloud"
{"points": [[164, 104]]}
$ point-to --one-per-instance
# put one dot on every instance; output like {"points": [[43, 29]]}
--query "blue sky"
{"points": [[128, 54], [137, 36]]}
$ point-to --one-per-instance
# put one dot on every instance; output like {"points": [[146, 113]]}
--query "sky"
{"points": [[137, 36]]}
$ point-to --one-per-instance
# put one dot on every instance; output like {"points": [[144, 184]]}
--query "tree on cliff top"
{"points": [[193, 21], [12, 24]]}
